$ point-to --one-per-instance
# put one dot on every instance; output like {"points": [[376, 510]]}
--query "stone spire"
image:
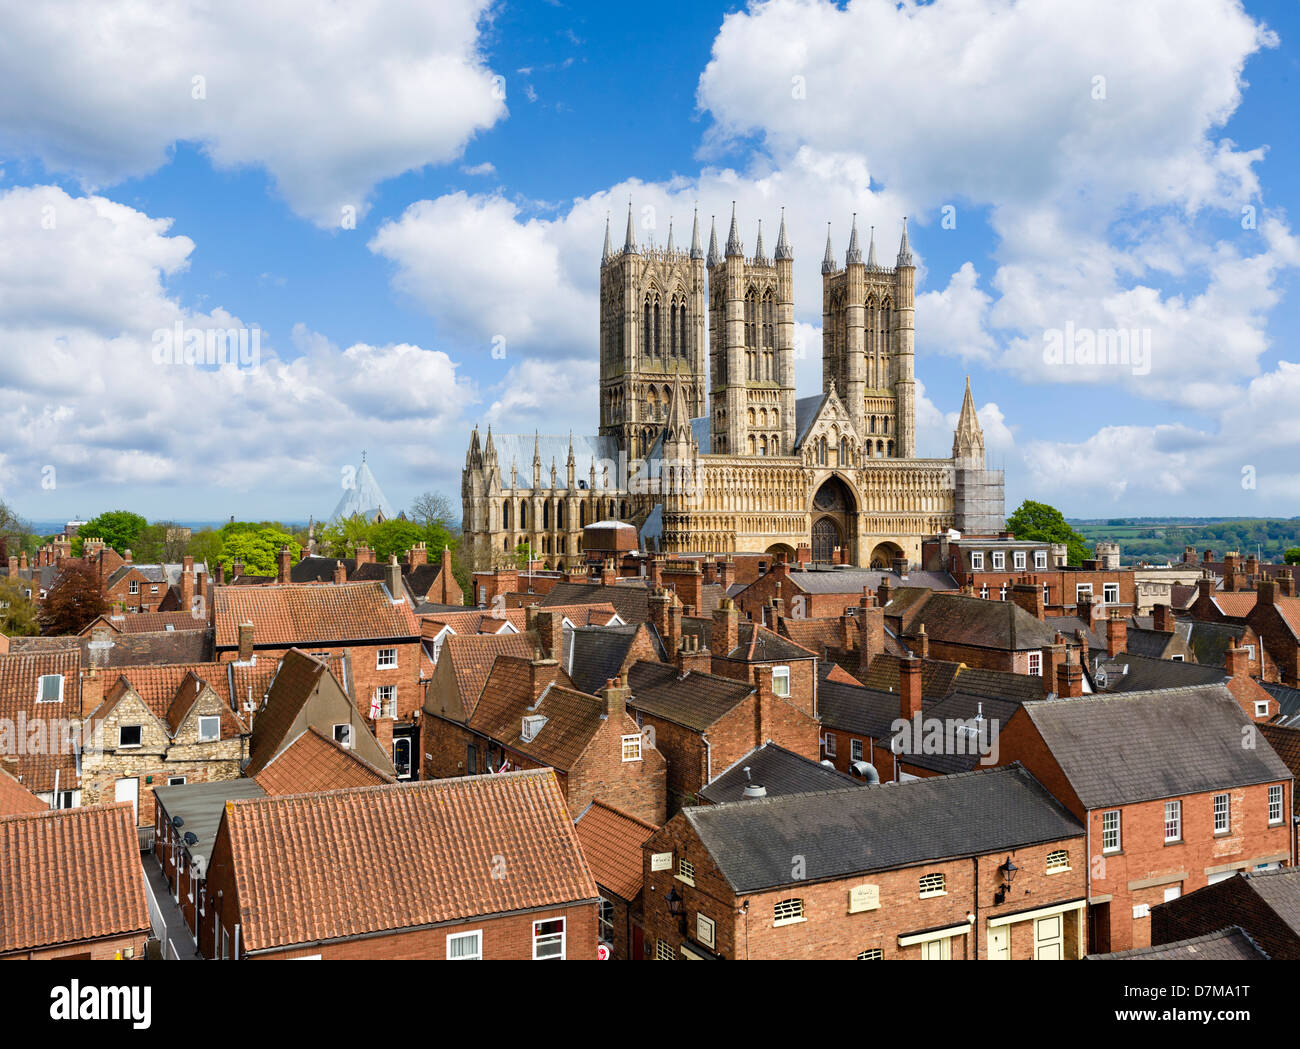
{"points": [[968, 438], [629, 243], [734, 247], [872, 264], [474, 456], [828, 260], [714, 257], [758, 248], [605, 255], [904, 250], [537, 460], [783, 249], [854, 255], [490, 449], [670, 234], [679, 419], [696, 251]]}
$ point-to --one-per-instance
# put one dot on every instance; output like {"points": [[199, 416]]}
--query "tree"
{"points": [[342, 537], [432, 508], [119, 529], [258, 550], [17, 612], [205, 547], [1046, 524], [395, 537], [74, 601], [1292, 556], [15, 533]]}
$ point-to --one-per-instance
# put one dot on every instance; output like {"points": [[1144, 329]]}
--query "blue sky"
{"points": [[479, 217]]}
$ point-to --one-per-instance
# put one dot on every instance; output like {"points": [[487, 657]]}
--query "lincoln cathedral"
{"points": [[703, 444]]}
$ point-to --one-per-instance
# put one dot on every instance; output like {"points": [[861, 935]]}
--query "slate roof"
{"points": [[846, 832], [371, 859], [692, 700], [862, 711], [758, 644], [593, 655], [938, 676], [779, 772], [631, 602], [316, 569], [1288, 701], [853, 580], [313, 763], [1232, 944], [1128, 672], [70, 875], [965, 620], [611, 841], [1118, 749], [961, 752], [308, 614], [1210, 641], [200, 806], [153, 648]]}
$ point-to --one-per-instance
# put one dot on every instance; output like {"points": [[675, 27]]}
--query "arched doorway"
{"points": [[781, 552], [834, 511], [882, 557]]}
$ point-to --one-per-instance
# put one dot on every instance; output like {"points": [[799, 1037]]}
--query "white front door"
{"points": [[1049, 938], [128, 790], [936, 950], [1000, 944]]}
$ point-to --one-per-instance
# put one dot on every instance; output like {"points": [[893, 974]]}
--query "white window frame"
{"points": [[706, 930], [1036, 664], [605, 925], [1082, 589], [381, 663], [871, 954], [631, 748], [347, 742], [828, 744], [1110, 593], [477, 956], [1222, 808], [977, 561], [1018, 560], [1274, 804], [1115, 829], [685, 871], [984, 591], [929, 880], [1250, 652], [1174, 820], [1040, 559], [781, 674], [175, 781], [788, 912], [133, 587], [1261, 708], [40, 688], [215, 735], [1058, 861], [855, 750], [999, 561], [387, 703], [550, 936], [129, 746], [153, 590], [664, 951]]}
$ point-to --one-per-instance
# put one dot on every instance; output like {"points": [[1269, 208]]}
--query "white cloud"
{"points": [[85, 394], [330, 99]]}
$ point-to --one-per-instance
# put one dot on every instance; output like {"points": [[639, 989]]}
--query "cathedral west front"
{"points": [[704, 445]]}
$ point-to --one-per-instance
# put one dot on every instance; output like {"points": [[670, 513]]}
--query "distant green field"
{"points": [[1163, 538]]}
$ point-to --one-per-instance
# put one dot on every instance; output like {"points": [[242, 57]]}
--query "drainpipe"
{"points": [[236, 955], [975, 926]]}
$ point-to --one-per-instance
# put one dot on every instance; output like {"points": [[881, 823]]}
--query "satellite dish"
{"points": [[177, 822], [191, 838]]}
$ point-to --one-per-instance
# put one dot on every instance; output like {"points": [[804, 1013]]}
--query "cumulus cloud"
{"points": [[329, 99], [89, 393]]}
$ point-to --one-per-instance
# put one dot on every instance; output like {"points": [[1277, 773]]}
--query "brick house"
{"points": [[611, 842], [995, 635], [1265, 905], [133, 745], [41, 702], [527, 718], [378, 633], [1275, 618], [704, 723], [306, 695], [820, 593], [979, 865], [1166, 812], [487, 867], [100, 913]]}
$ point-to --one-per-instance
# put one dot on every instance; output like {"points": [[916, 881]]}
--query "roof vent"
{"points": [[753, 790]]}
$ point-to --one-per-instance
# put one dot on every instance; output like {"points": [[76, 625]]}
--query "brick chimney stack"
{"points": [[909, 688], [1162, 618], [1053, 658], [416, 556], [221, 573], [882, 594], [1189, 555], [1029, 596], [1069, 679], [447, 579], [340, 571], [282, 562], [1266, 592], [22, 561], [13, 566], [245, 642], [920, 642], [365, 555], [871, 636], [541, 673], [692, 658], [549, 627], [1285, 584], [1236, 662], [656, 573], [614, 697], [764, 705], [608, 574], [393, 579], [1116, 633], [726, 572], [187, 583], [726, 627]]}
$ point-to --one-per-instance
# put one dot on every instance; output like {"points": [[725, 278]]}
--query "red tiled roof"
{"points": [[313, 763], [472, 656], [146, 622], [482, 621], [20, 674], [70, 875], [306, 614], [1289, 607], [312, 867], [1236, 604], [611, 841], [15, 799], [157, 685], [572, 717]]}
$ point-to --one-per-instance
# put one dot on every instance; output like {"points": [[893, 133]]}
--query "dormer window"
{"points": [[999, 560], [532, 724], [1019, 560], [977, 561], [1040, 558], [343, 735]]}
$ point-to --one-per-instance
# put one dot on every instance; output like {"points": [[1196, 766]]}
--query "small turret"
{"points": [[853, 257], [696, 251], [714, 257], [872, 264], [783, 249], [629, 242], [828, 260], [734, 246], [904, 249]]}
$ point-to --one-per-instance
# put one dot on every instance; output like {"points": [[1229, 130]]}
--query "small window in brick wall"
{"points": [[873, 954], [787, 912], [1058, 861], [933, 885]]}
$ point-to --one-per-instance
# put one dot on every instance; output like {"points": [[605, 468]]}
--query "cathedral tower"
{"points": [[867, 343], [751, 349], [652, 333]]}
